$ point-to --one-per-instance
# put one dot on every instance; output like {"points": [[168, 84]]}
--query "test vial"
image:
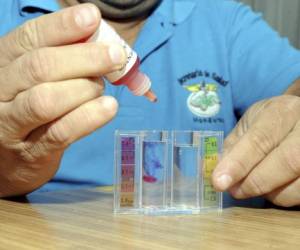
{"points": [[186, 176], [154, 169]]}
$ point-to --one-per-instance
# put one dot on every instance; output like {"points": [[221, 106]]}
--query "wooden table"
{"points": [[84, 220]]}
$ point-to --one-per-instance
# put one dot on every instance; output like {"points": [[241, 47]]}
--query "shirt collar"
{"points": [[160, 26], [38, 5], [181, 9]]}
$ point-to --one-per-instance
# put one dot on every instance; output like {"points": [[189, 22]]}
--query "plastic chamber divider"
{"points": [[161, 172]]}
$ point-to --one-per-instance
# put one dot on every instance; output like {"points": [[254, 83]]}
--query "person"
{"points": [[214, 65]]}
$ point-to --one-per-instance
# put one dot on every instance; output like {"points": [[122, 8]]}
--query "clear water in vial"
{"points": [[186, 176]]}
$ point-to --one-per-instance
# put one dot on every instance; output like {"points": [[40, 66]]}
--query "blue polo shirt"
{"points": [[209, 60]]}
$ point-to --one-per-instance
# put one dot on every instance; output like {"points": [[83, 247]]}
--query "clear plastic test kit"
{"points": [[162, 172]]}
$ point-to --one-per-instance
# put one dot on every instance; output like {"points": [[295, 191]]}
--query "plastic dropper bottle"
{"points": [[130, 75]]}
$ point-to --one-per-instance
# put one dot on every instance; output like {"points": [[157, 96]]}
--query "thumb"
{"points": [[243, 125], [230, 142]]}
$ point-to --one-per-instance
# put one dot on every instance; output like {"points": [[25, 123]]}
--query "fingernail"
{"points": [[86, 16], [110, 105], [116, 54], [224, 182]]}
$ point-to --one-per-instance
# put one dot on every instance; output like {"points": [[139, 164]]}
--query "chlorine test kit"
{"points": [[161, 172]]}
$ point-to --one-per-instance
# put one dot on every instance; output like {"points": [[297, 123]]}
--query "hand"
{"points": [[262, 154], [50, 93]]}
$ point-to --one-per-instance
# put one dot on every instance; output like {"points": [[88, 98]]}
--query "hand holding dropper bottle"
{"points": [[130, 75]]}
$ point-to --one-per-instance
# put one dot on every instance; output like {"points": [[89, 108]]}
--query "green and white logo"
{"points": [[204, 100]]}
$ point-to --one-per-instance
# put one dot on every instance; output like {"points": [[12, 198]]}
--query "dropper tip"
{"points": [[150, 96]]}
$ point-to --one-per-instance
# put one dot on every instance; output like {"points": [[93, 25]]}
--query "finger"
{"points": [[267, 131], [64, 27], [286, 196], [46, 102], [57, 64], [74, 125], [243, 125], [280, 167], [235, 135]]}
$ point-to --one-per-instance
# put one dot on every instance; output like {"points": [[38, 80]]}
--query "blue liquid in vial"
{"points": [[154, 167]]}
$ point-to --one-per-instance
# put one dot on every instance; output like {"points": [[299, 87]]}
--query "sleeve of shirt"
{"points": [[262, 64]]}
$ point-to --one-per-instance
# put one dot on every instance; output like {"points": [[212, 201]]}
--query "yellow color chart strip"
{"points": [[210, 196]]}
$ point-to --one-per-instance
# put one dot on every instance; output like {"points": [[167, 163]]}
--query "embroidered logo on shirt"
{"points": [[204, 100]]}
